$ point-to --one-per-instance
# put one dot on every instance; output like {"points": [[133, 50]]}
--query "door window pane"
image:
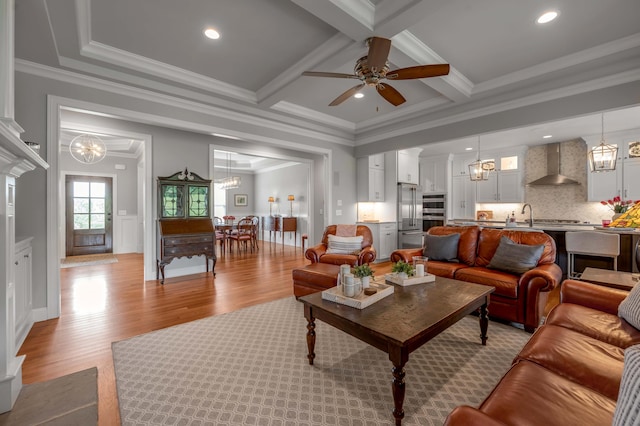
{"points": [[80, 221], [81, 205], [97, 205], [97, 221], [97, 189], [80, 189]]}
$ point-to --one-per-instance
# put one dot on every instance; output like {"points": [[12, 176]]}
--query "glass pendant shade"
{"points": [[602, 158], [87, 149], [479, 170], [230, 182]]}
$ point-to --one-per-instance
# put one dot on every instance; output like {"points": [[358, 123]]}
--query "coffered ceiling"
{"points": [[498, 54]]}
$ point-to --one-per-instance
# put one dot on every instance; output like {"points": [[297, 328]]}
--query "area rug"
{"points": [[250, 367], [66, 400], [87, 260]]}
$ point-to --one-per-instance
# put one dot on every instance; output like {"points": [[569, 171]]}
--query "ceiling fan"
{"points": [[373, 68]]}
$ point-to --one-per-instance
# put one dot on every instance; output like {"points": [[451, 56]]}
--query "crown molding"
{"points": [[575, 89], [574, 59], [330, 120], [197, 107]]}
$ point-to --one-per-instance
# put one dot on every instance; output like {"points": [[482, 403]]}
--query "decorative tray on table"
{"points": [[361, 301], [394, 278]]}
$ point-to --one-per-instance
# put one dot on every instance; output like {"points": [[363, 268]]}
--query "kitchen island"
{"points": [[628, 241]]}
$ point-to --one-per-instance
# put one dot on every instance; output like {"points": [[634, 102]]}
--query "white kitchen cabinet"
{"points": [[503, 186], [433, 173], [463, 198], [376, 161], [370, 181], [385, 237], [623, 180], [460, 164], [409, 166], [23, 264]]}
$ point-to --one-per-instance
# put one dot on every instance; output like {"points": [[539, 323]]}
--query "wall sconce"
{"points": [[291, 198], [271, 201]]}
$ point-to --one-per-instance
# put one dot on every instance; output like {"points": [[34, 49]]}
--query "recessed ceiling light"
{"points": [[468, 149], [358, 95], [547, 136], [547, 17], [212, 34]]}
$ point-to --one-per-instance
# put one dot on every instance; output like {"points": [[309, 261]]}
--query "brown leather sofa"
{"points": [[367, 253], [569, 372], [519, 298]]}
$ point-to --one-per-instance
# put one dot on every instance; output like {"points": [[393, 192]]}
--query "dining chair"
{"points": [[221, 235], [590, 243], [243, 234]]}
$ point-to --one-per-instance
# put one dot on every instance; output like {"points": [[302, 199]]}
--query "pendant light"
{"points": [[477, 169], [602, 158], [230, 182], [87, 149]]}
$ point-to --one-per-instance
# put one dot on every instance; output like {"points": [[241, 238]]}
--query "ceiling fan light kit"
{"points": [[373, 68]]}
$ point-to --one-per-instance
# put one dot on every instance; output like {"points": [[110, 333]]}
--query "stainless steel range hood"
{"points": [[553, 176]]}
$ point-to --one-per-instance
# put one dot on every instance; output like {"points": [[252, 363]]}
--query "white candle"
{"points": [[420, 270]]}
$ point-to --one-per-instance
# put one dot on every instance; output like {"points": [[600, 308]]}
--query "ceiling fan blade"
{"points": [[329, 74], [378, 52], [390, 94], [346, 95], [420, 71]]}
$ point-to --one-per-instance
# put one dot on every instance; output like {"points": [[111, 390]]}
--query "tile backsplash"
{"points": [[555, 202]]}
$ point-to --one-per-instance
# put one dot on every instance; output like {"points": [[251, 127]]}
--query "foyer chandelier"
{"points": [[602, 158], [87, 149], [230, 182], [479, 170]]}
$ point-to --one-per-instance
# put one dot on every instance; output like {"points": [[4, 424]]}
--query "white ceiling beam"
{"points": [[354, 18]]}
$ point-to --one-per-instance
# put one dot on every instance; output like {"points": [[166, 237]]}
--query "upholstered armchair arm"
{"points": [[542, 278], [367, 255], [406, 255], [594, 296], [469, 416], [314, 253]]}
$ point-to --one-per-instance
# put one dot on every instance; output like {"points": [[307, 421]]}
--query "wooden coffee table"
{"points": [[401, 323]]}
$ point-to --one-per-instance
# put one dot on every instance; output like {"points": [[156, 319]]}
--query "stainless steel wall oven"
{"points": [[434, 210]]}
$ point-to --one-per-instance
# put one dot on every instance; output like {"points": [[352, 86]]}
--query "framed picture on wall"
{"points": [[240, 200], [634, 149]]}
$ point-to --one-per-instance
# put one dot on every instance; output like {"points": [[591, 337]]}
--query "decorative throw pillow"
{"points": [[515, 258], [629, 309], [346, 230], [442, 247], [627, 410], [344, 245]]}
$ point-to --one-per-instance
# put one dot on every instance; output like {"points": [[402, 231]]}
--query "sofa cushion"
{"points": [[515, 258], [529, 394], [583, 359], [489, 241], [629, 309], [468, 244], [600, 325], [344, 245], [346, 230], [627, 410], [444, 269], [442, 247], [505, 283]]}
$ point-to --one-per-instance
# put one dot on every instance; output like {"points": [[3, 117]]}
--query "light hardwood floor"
{"points": [[108, 303]]}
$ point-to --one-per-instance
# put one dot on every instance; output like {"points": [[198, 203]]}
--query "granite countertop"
{"points": [[545, 226]]}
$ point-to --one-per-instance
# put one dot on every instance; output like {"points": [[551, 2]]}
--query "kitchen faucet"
{"points": [[530, 214]]}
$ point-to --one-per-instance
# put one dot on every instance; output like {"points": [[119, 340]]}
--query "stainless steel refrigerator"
{"points": [[410, 233]]}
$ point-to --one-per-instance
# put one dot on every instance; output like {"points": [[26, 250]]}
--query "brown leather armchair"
{"points": [[367, 254]]}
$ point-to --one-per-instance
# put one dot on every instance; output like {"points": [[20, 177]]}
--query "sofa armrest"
{"points": [[593, 296], [469, 416], [367, 255], [314, 253], [406, 255], [542, 278]]}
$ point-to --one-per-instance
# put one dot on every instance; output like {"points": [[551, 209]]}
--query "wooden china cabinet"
{"points": [[185, 228]]}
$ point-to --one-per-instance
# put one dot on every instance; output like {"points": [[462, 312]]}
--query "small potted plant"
{"points": [[403, 269], [364, 272]]}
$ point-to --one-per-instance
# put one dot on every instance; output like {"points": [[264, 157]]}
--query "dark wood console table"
{"points": [[185, 238], [281, 224]]}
